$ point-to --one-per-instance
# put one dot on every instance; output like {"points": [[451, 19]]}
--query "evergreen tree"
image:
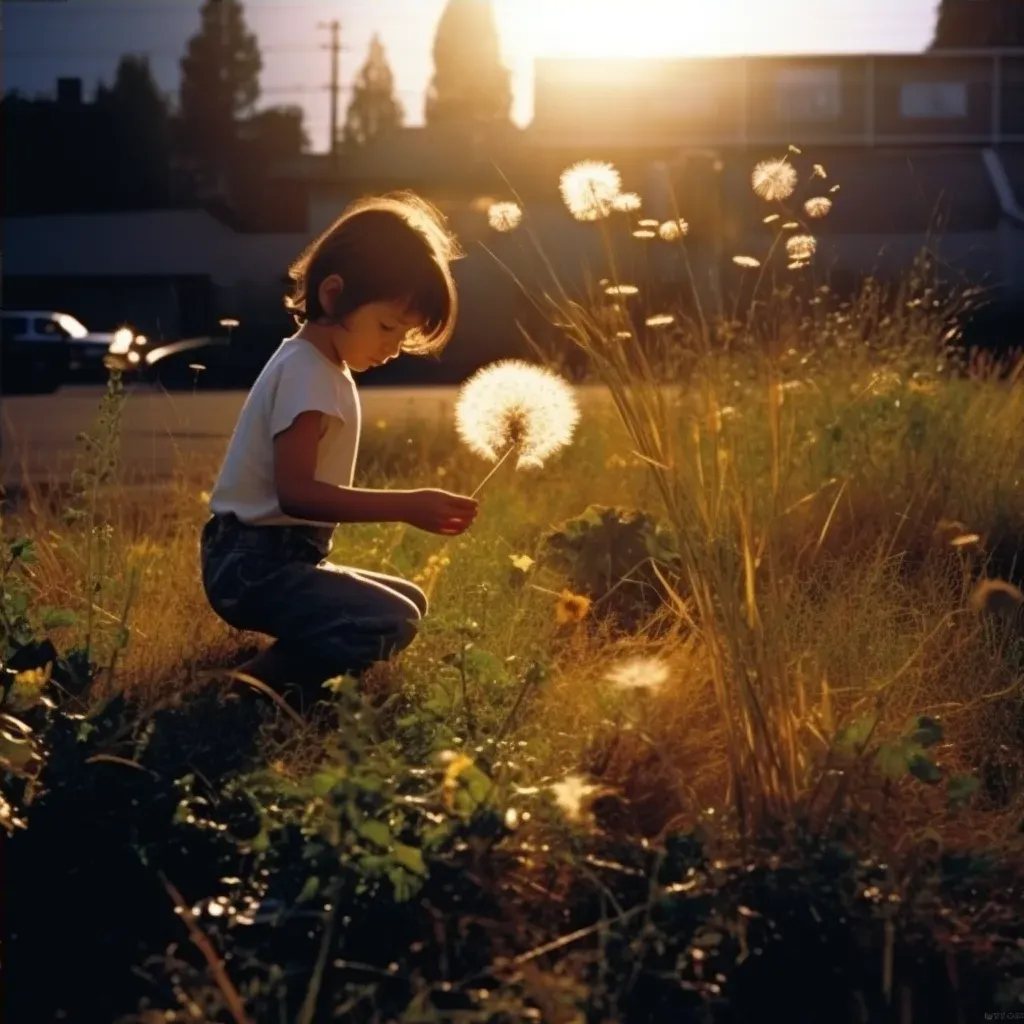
{"points": [[219, 82], [979, 23], [374, 110], [470, 86], [136, 120]]}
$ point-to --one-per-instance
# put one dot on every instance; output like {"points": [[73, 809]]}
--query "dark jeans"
{"points": [[274, 580]]}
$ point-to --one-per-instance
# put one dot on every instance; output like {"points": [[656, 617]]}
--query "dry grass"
{"points": [[878, 617]]}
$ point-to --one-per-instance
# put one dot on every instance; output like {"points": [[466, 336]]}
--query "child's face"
{"points": [[373, 334]]}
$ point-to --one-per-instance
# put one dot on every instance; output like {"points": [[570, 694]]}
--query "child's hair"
{"points": [[387, 248]]}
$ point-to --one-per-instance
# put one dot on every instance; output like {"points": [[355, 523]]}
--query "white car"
{"points": [[43, 349]]}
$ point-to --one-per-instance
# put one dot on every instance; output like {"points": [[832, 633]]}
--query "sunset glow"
{"points": [[650, 28]]}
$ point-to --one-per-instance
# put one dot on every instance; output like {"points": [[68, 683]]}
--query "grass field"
{"points": [[823, 636]]}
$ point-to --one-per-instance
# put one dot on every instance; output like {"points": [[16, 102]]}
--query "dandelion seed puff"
{"points": [[746, 261], [771, 218], [818, 171], [643, 233], [794, 149], [570, 795], [801, 247], [504, 216], [516, 403], [997, 597], [589, 188], [790, 225], [621, 289], [673, 230], [627, 202], [660, 320], [818, 206], [774, 179], [647, 223], [965, 539], [639, 674]]}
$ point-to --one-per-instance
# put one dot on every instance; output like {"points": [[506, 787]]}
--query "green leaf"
{"points": [[376, 832], [22, 549], [58, 618], [925, 731], [853, 736], [310, 889], [961, 788], [411, 858], [892, 759], [922, 767]]}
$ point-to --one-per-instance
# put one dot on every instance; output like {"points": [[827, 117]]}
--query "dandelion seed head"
{"points": [[621, 289], [771, 218], [997, 597], [791, 225], [627, 202], [570, 795], [965, 539], [746, 261], [589, 188], [801, 247], [673, 230], [647, 223], [643, 233], [660, 320], [774, 179], [818, 206], [518, 403], [818, 171], [639, 674], [504, 217]]}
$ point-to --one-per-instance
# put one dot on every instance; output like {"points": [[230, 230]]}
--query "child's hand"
{"points": [[440, 511]]}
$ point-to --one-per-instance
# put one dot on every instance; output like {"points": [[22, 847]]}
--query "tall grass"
{"points": [[814, 439]]}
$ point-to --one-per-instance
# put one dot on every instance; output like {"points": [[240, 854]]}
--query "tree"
{"points": [[470, 86], [219, 82], [979, 23], [374, 110], [276, 133], [138, 136]]}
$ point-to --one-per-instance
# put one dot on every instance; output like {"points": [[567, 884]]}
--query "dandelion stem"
{"points": [[508, 451]]}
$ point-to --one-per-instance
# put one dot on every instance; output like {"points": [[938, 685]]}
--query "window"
{"points": [[47, 328], [808, 94], [934, 99]]}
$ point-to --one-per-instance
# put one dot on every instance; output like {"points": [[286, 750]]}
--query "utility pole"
{"points": [[335, 86]]}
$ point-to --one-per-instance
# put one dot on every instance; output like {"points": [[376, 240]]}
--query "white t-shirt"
{"points": [[297, 378]]}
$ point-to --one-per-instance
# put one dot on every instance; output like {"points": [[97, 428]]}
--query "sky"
{"points": [[44, 39]]}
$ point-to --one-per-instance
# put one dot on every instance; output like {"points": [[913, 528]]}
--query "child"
{"points": [[376, 283]]}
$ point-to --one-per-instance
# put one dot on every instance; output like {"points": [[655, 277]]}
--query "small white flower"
{"points": [[639, 674]]}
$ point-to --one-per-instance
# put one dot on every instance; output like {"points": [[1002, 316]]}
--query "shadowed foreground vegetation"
{"points": [[719, 710]]}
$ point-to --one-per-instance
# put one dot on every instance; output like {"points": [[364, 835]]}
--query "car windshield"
{"points": [[74, 327]]}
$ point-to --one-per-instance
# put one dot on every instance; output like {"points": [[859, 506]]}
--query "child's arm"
{"points": [[302, 496]]}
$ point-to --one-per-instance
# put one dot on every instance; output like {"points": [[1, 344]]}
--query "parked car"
{"points": [[43, 349]]}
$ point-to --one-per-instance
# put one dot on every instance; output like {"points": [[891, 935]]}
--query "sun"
{"points": [[614, 28]]}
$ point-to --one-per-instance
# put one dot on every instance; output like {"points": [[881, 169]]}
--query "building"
{"points": [[926, 148]]}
